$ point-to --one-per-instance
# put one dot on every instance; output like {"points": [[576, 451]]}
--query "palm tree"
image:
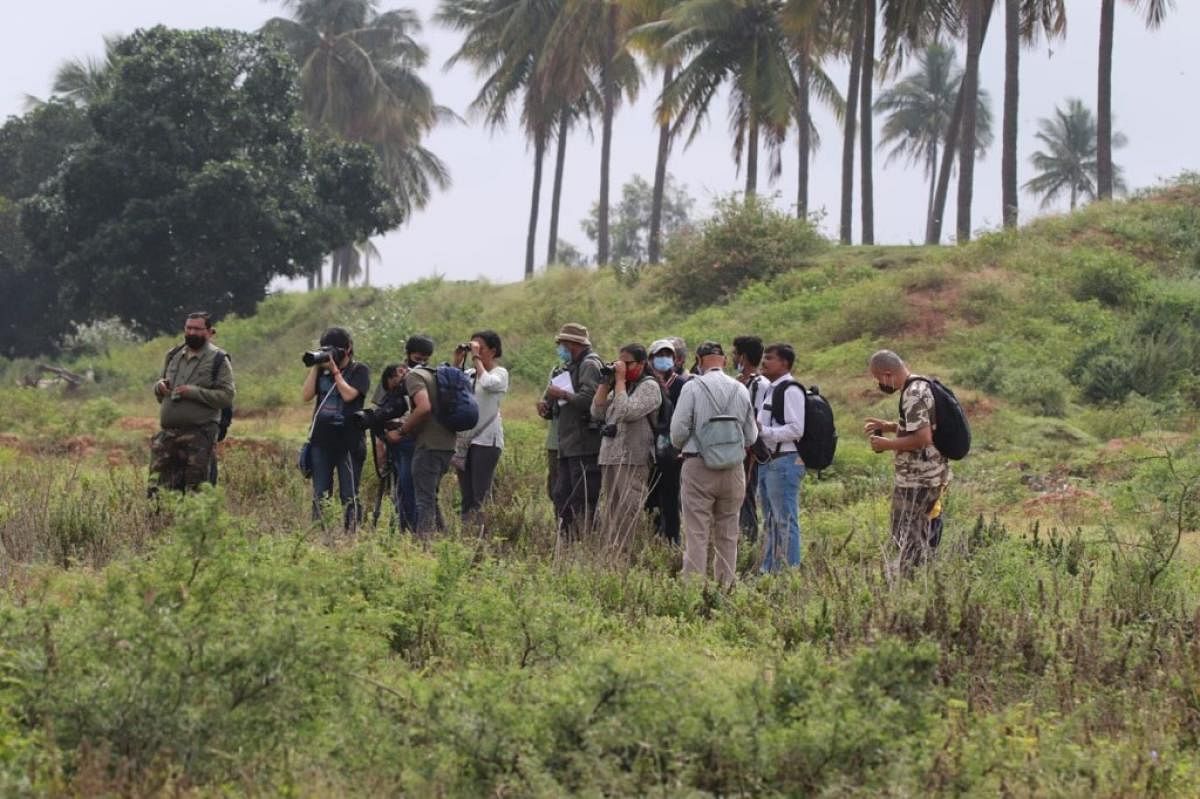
{"points": [[82, 80], [811, 30], [1154, 12], [593, 34], [1069, 164], [359, 82], [1023, 21], [642, 13], [918, 110], [849, 123], [973, 13], [506, 42], [742, 43], [866, 126]]}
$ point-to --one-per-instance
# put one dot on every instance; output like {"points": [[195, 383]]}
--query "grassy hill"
{"points": [[226, 645]]}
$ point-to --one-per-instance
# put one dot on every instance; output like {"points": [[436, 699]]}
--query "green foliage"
{"points": [[1114, 279], [1038, 390], [213, 211], [746, 240], [629, 228], [874, 311]]}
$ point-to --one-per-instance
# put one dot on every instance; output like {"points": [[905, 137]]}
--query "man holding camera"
{"points": [[338, 386], [396, 406], [625, 399], [196, 384], [577, 484]]}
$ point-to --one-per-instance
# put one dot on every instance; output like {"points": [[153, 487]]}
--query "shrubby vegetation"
{"points": [[1051, 648]]}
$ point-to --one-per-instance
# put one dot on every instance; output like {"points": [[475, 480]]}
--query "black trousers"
{"points": [[663, 500]]}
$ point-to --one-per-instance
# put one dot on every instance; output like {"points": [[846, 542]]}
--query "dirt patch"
{"points": [[144, 424], [930, 309]]}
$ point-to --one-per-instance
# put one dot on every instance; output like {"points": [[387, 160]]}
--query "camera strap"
{"points": [[324, 399]]}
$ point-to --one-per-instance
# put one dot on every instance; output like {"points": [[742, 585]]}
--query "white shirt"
{"points": [[490, 388], [781, 438]]}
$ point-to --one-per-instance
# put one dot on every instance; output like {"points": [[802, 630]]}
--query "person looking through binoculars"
{"points": [[337, 384], [477, 451]]}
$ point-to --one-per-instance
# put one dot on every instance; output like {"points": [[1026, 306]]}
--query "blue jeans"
{"points": [[348, 464], [779, 496], [404, 496]]}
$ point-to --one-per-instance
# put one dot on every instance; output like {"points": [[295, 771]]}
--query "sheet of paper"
{"points": [[563, 381]]}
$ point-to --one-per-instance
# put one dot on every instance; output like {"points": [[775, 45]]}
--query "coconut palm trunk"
{"points": [[564, 124], [1104, 168], [654, 245], [851, 122], [804, 129], [967, 146], [608, 86], [1012, 94], [539, 152], [752, 156], [866, 134], [933, 233]]}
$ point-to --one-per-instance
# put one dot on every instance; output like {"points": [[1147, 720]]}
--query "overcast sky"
{"points": [[478, 226]]}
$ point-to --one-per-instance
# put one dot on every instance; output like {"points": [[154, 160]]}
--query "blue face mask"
{"points": [[664, 363], [564, 354]]}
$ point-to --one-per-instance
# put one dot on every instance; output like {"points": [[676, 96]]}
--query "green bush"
{"points": [[874, 311], [1038, 390], [1114, 279], [746, 240]]}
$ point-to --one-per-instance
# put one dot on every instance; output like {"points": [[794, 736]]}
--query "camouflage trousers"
{"points": [[181, 458], [915, 535]]}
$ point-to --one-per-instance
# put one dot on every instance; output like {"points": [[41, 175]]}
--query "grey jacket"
{"points": [[574, 437]]}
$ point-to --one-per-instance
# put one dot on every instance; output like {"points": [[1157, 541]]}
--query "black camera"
{"points": [[464, 347], [383, 417], [323, 355], [608, 371], [609, 431]]}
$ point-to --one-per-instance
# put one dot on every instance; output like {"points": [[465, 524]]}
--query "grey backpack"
{"points": [[720, 437]]}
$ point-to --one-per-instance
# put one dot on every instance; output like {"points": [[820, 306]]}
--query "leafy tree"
{"points": [[1068, 164], [1154, 12], [199, 184], [83, 81], [918, 109], [742, 43], [33, 146], [359, 82], [634, 214]]}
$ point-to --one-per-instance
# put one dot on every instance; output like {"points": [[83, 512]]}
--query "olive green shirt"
{"points": [[431, 434], [205, 397]]}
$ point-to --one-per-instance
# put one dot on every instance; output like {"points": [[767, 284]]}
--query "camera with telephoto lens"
{"points": [[383, 417], [323, 355]]}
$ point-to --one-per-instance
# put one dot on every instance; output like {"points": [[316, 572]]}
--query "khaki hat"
{"points": [[660, 345], [576, 334]]}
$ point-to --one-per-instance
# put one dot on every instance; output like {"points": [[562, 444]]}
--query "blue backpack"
{"points": [[456, 408]]}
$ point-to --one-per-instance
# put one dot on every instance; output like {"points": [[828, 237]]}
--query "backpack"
{"points": [[226, 413], [722, 445], [456, 408], [951, 431], [819, 442]]}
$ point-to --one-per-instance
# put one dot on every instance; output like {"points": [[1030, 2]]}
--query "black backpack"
{"points": [[226, 413], [819, 442], [952, 432]]}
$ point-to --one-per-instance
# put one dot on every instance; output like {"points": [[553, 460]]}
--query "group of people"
{"points": [[710, 456]]}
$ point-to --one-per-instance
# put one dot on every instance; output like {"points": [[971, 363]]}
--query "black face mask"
{"points": [[414, 364], [195, 342], [887, 389]]}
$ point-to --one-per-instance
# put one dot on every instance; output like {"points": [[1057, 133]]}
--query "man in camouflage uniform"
{"points": [[196, 384], [922, 473]]}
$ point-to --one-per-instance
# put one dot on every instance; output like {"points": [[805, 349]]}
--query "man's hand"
{"points": [[543, 408], [334, 369], [183, 391], [474, 348], [873, 425], [162, 388], [394, 436], [879, 443], [556, 393]]}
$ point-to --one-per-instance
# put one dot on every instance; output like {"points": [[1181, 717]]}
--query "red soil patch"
{"points": [[930, 309], [145, 424]]}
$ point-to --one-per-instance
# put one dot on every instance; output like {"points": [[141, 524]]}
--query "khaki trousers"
{"points": [[711, 501], [623, 492]]}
